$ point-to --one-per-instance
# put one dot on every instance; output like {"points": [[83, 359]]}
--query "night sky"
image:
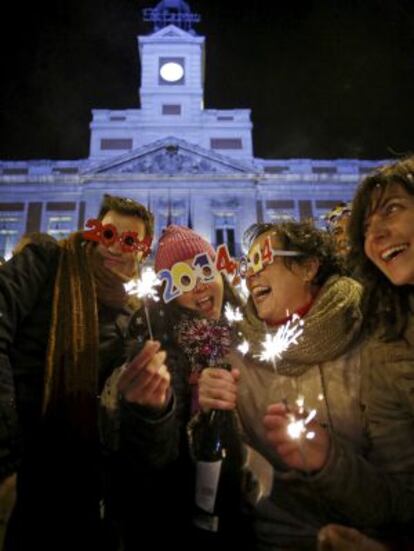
{"points": [[323, 78]]}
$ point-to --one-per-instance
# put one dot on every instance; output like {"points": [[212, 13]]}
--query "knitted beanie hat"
{"points": [[178, 243]]}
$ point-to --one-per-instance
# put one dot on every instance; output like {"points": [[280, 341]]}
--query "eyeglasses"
{"points": [[108, 235], [260, 256]]}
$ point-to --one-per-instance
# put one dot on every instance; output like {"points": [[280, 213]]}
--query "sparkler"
{"points": [[243, 347], [232, 314], [274, 345], [144, 288], [297, 426]]}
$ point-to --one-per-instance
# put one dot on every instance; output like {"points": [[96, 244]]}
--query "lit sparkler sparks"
{"points": [[144, 288], [297, 426], [274, 345], [243, 347], [232, 314]]}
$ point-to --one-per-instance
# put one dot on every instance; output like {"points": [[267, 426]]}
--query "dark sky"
{"points": [[323, 78]]}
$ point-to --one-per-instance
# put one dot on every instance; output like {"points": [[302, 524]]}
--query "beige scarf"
{"points": [[332, 326]]}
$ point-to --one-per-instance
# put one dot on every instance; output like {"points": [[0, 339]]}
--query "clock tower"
{"points": [[172, 95], [172, 66]]}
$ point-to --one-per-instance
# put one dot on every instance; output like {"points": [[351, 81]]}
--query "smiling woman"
{"points": [[301, 277], [382, 241], [389, 229], [193, 334]]}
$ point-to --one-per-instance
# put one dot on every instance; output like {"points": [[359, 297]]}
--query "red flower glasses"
{"points": [[107, 235]]}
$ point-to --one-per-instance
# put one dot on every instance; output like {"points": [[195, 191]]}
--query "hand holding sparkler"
{"points": [[145, 380], [300, 441]]}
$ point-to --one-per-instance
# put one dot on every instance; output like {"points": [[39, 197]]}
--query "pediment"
{"points": [[172, 156], [170, 31]]}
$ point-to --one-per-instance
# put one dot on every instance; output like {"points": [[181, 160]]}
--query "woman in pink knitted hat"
{"points": [[191, 330], [181, 244]]}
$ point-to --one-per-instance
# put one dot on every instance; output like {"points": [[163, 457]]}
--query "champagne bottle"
{"points": [[218, 454]]}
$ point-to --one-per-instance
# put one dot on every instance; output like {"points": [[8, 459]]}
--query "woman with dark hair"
{"points": [[382, 241], [165, 489], [294, 274]]}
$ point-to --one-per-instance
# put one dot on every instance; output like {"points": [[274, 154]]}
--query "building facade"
{"points": [[190, 165]]}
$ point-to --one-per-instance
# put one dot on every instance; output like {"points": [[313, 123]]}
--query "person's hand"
{"points": [[145, 380], [218, 388], [334, 537], [7, 498], [298, 453]]}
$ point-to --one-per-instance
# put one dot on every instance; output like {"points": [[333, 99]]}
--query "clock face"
{"points": [[171, 71]]}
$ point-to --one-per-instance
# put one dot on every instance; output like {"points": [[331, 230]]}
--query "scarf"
{"points": [[72, 361], [331, 327]]}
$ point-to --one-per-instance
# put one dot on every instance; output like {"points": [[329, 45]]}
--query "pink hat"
{"points": [[178, 243]]}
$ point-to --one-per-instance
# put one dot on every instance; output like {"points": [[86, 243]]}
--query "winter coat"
{"points": [[377, 490], [324, 369], [160, 491], [55, 497], [149, 485]]}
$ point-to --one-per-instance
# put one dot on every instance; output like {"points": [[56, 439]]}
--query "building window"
{"points": [[278, 216], [171, 109], [15, 171], [60, 225], [173, 212], [226, 143], [108, 144], [224, 226], [276, 169], [65, 170], [280, 210], [11, 228], [324, 170]]}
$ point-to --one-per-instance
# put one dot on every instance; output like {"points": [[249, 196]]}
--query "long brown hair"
{"points": [[385, 306]]}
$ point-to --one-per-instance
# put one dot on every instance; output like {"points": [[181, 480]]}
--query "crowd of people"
{"points": [[102, 391]]}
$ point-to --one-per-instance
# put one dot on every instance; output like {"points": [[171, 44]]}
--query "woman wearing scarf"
{"points": [[294, 275]]}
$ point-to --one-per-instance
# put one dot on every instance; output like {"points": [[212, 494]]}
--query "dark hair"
{"points": [[384, 304], [127, 207], [35, 238], [303, 237]]}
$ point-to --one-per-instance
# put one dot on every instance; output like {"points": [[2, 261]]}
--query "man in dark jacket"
{"points": [[63, 310]]}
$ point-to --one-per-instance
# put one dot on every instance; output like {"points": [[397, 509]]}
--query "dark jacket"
{"points": [[150, 479], [59, 476], [153, 491]]}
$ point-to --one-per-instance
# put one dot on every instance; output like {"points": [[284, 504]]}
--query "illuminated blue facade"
{"points": [[190, 165]]}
